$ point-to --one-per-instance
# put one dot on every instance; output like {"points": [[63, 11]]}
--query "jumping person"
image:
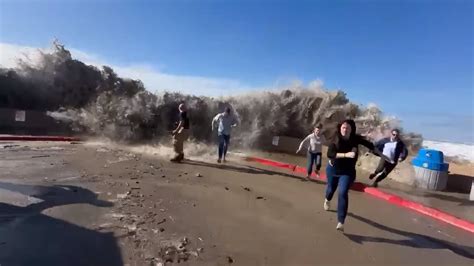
{"points": [[394, 150], [315, 141], [224, 123]]}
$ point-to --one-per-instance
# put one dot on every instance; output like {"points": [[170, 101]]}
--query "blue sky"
{"points": [[414, 59]]}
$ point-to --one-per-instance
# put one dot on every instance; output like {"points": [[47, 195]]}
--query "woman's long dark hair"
{"points": [[339, 137]]}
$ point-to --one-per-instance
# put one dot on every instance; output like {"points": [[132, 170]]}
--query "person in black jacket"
{"points": [[394, 150], [342, 154], [341, 171]]}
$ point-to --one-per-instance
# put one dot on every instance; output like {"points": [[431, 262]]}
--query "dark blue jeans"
{"points": [[223, 145], [313, 158], [344, 182]]}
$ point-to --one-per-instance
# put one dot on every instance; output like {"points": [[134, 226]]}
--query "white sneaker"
{"points": [[326, 205], [340, 227]]}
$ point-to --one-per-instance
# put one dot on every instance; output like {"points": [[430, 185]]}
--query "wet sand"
{"points": [[70, 204]]}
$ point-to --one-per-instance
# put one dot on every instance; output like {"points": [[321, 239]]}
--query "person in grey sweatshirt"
{"points": [[314, 142], [224, 122]]}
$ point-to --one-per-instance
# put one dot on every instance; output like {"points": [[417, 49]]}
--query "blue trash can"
{"points": [[431, 172]]}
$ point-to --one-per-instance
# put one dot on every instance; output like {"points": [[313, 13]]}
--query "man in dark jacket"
{"points": [[394, 150]]}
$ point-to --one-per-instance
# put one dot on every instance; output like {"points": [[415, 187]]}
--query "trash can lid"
{"points": [[430, 159]]}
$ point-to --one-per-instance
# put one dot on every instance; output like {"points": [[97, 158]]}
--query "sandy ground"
{"points": [[75, 204]]}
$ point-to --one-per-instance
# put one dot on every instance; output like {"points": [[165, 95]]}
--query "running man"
{"points": [[224, 123], [314, 142], [395, 151]]}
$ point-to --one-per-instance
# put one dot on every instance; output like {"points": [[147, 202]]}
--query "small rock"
{"points": [[247, 189], [161, 229], [226, 188], [230, 259], [163, 176], [198, 175], [260, 197]]}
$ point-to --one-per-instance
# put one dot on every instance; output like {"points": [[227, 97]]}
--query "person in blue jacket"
{"points": [[395, 151]]}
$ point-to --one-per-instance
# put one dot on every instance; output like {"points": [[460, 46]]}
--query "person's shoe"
{"points": [[375, 184], [317, 173], [327, 205], [371, 176], [340, 227], [175, 159], [224, 160], [308, 177], [219, 160]]}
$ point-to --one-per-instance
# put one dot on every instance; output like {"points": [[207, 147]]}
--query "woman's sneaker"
{"points": [[340, 227], [326, 205]]}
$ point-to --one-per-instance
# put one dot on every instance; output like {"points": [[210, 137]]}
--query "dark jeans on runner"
{"points": [[344, 182], [223, 145], [313, 158], [384, 168]]}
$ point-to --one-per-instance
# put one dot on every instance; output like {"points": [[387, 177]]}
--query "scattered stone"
{"points": [[200, 239], [259, 197], [247, 189], [123, 196], [163, 176], [161, 229], [230, 259], [198, 175], [40, 156], [226, 188]]}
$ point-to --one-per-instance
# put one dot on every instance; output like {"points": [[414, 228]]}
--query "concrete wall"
{"points": [[35, 123]]}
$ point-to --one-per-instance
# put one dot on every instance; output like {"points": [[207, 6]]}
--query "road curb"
{"points": [[393, 199]]}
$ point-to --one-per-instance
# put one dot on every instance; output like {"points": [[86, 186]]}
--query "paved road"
{"points": [[65, 204]]}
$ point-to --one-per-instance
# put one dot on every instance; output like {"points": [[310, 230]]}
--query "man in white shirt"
{"points": [[224, 123], [314, 142], [394, 150]]}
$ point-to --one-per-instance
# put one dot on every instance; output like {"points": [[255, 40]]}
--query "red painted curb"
{"points": [[396, 200], [37, 138]]}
